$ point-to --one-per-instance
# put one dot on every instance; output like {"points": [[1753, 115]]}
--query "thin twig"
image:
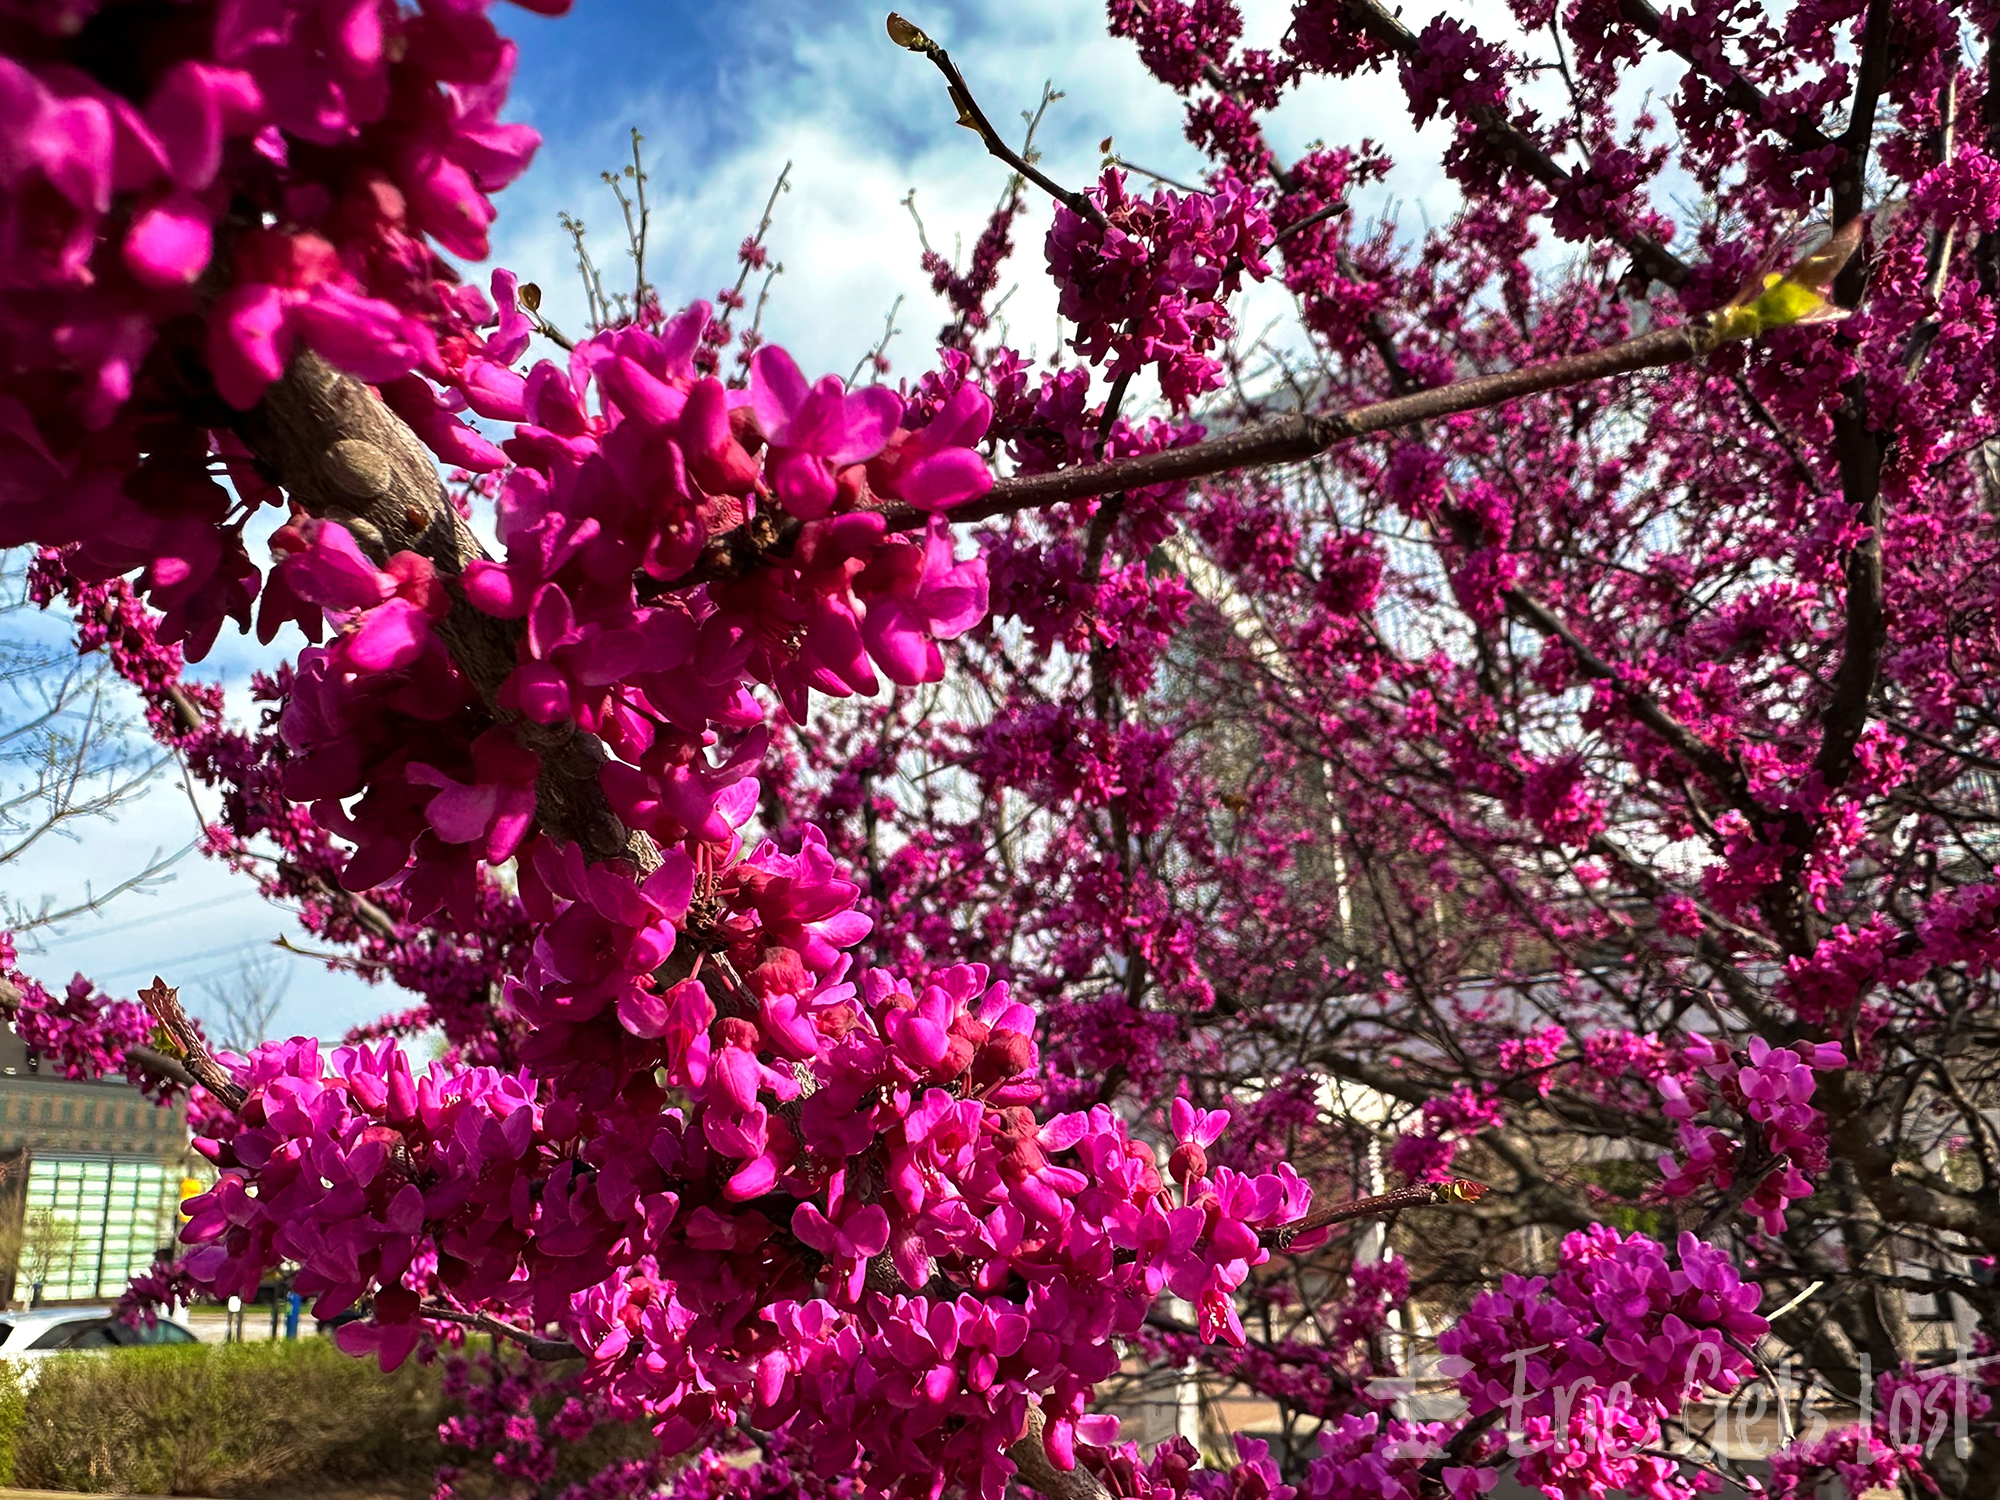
{"points": [[973, 118], [889, 331], [1159, 177], [535, 1346], [1316, 216], [1416, 1195]]}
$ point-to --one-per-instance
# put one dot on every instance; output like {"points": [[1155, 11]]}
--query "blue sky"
{"points": [[725, 95]]}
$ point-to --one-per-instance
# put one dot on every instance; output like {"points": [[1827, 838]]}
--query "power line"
{"points": [[146, 921], [161, 966]]}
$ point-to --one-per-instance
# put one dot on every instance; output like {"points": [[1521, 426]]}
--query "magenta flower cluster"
{"points": [[1149, 287], [858, 1223], [80, 1033], [1770, 1089], [301, 160], [1587, 1364]]}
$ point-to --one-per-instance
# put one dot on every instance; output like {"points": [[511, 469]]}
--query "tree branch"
{"points": [[533, 1344], [1711, 762], [343, 455], [1416, 1195], [164, 1003], [1297, 438], [148, 1059], [1858, 449], [1518, 147], [1738, 92], [973, 118], [160, 1065], [1283, 440], [1032, 1459]]}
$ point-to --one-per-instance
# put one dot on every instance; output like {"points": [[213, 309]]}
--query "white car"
{"points": [[50, 1330]]}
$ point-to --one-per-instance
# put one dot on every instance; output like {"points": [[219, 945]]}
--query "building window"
{"points": [[92, 1225]]}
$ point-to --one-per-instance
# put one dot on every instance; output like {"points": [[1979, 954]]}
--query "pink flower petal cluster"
{"points": [[81, 1033], [1151, 286], [252, 180], [1448, 1120], [1595, 1358], [857, 1220], [1770, 1088]]}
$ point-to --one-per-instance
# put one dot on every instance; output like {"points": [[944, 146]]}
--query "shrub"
{"points": [[13, 1398], [229, 1419]]}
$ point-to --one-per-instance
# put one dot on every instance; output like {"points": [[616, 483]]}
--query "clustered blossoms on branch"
{"points": [[1529, 772], [1360, 780], [263, 177], [83, 1033]]}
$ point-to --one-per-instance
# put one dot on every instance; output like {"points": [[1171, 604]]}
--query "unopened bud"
{"points": [[957, 1058], [1189, 1163], [779, 972], [1005, 1054], [396, 1304], [909, 37]]}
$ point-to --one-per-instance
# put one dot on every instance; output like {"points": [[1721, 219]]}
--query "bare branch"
{"points": [[1416, 1195], [970, 115], [533, 1344], [164, 1003], [1031, 1457]]}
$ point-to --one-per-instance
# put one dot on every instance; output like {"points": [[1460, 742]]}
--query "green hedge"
{"points": [[230, 1419], [13, 1397]]}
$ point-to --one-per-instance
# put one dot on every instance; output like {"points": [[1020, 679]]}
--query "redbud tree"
{"points": [[936, 892]]}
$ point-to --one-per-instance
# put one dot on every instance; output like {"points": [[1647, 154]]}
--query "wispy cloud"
{"points": [[862, 123]]}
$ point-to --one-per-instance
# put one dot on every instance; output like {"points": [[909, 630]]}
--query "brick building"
{"points": [[92, 1181]]}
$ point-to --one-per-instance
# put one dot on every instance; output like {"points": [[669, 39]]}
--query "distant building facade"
{"points": [[92, 1183]]}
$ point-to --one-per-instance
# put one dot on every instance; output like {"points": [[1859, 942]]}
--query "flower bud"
{"points": [[779, 972], [907, 36], [1005, 1054], [957, 1058], [1189, 1163]]}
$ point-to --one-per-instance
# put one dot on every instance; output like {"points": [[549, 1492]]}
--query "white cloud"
{"points": [[862, 123]]}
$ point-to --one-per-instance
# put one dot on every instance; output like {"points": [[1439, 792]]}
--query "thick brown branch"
{"points": [[157, 1063], [1857, 447], [164, 1003], [1284, 440], [343, 455], [1032, 1459], [366, 913]]}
